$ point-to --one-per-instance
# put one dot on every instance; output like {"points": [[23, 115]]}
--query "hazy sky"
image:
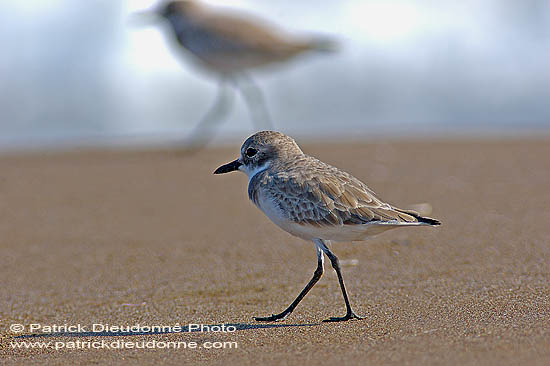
{"points": [[74, 69]]}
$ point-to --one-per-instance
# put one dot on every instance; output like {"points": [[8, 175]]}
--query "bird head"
{"points": [[260, 151], [164, 10]]}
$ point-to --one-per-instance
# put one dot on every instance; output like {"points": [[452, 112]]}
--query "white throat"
{"points": [[252, 172]]}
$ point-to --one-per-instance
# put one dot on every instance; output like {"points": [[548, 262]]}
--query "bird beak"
{"points": [[229, 167]]}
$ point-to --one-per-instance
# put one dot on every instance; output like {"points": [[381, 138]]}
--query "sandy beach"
{"points": [[152, 238]]}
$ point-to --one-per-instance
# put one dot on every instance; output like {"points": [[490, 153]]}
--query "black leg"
{"points": [[336, 265], [316, 276]]}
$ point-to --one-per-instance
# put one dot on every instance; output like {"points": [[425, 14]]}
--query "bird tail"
{"points": [[421, 219], [323, 44]]}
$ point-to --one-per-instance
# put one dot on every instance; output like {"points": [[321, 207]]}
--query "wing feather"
{"points": [[247, 34], [318, 194]]}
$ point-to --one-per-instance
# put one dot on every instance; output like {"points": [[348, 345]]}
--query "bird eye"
{"points": [[250, 152]]}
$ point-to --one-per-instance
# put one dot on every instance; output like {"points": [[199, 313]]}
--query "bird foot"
{"points": [[348, 316], [272, 318]]}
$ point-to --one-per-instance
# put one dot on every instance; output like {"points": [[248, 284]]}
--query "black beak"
{"points": [[229, 167]]}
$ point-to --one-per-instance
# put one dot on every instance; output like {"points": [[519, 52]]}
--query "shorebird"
{"points": [[230, 44], [314, 201]]}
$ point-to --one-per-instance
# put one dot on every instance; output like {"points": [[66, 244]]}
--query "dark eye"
{"points": [[250, 152]]}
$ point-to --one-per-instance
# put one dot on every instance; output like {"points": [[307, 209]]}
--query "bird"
{"points": [[314, 201], [230, 44]]}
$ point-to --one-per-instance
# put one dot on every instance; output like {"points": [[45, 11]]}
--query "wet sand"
{"points": [[153, 238]]}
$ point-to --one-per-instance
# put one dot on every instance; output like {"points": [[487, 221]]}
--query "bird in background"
{"points": [[314, 201], [230, 44]]}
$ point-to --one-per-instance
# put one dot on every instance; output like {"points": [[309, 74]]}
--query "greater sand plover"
{"points": [[314, 201], [230, 44]]}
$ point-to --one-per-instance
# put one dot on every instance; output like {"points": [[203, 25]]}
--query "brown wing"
{"points": [[247, 33], [323, 195]]}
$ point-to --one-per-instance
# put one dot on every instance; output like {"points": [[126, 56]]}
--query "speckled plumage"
{"points": [[310, 192], [318, 194], [314, 201]]}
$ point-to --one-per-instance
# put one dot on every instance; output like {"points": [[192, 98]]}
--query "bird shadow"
{"points": [[168, 330]]}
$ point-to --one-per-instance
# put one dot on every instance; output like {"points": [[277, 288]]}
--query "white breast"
{"points": [[271, 209]]}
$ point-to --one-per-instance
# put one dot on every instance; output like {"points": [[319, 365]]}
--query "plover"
{"points": [[230, 44], [314, 201]]}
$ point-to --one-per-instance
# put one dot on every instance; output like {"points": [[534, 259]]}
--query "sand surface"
{"points": [[153, 238]]}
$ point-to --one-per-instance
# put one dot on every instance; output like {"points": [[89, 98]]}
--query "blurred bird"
{"points": [[230, 44]]}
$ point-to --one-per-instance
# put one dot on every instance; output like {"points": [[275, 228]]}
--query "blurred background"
{"points": [[78, 72]]}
